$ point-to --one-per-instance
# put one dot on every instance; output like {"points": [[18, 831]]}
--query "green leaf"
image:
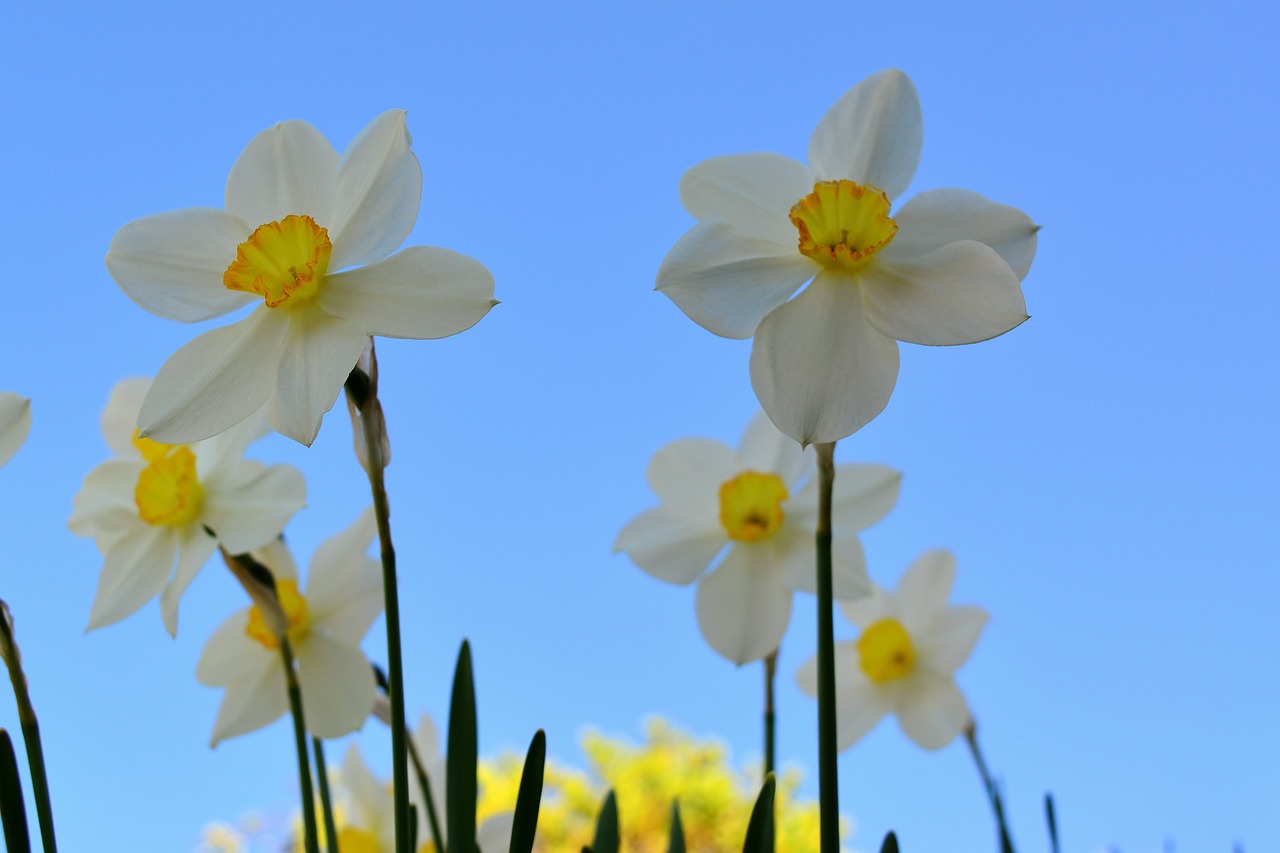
{"points": [[760, 827], [607, 835], [12, 811], [525, 823], [676, 844], [890, 843], [1051, 817], [460, 767]]}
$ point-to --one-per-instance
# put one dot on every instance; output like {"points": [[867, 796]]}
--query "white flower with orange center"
{"points": [[945, 268], [15, 423], [305, 236], [325, 627], [905, 661], [151, 507], [761, 501]]}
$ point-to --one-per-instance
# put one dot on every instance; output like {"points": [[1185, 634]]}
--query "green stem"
{"points": [[362, 388], [828, 783], [770, 670], [30, 734], [993, 791], [425, 783], [307, 794], [326, 798]]}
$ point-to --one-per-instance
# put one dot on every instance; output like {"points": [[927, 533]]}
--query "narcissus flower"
{"points": [[944, 269], [300, 221], [326, 625], [911, 645], [762, 502], [15, 423], [153, 504]]}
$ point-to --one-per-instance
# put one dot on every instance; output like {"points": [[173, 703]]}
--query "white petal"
{"points": [[819, 369], [105, 507], [951, 637], [224, 450], [195, 547], [172, 263], [318, 354], [935, 218], [859, 703], [379, 188], [861, 496], [371, 800], [868, 609], [252, 503], [923, 591], [337, 685], [427, 739], [752, 192], [345, 585], [848, 566], [687, 474], [286, 169], [763, 448], [421, 293], [932, 710], [961, 293], [669, 545], [848, 673], [872, 135], [215, 381], [494, 832], [119, 420], [257, 701], [230, 654], [744, 606], [278, 559], [15, 424], [727, 281], [134, 571]]}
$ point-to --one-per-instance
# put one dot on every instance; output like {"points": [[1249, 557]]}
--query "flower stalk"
{"points": [[307, 792], [828, 784], [770, 671], [30, 729], [369, 424], [326, 797], [993, 790]]}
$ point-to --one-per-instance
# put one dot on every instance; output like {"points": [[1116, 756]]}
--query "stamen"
{"points": [[751, 506], [842, 223]]}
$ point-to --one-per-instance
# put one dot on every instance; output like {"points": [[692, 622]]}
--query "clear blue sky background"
{"points": [[1105, 473]]}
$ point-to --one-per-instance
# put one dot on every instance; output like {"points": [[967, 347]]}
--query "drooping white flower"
{"points": [[911, 645], [762, 501], [151, 507], [326, 625], [15, 423], [300, 221], [371, 807], [945, 269]]}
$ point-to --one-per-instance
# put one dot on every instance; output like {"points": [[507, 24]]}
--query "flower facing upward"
{"points": [[943, 269], [911, 645], [299, 222], [15, 423], [326, 625], [762, 501], [153, 504]]}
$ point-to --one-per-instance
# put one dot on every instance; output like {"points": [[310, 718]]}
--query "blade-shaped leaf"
{"points": [[1051, 817], [760, 827], [607, 834], [525, 823], [12, 811], [676, 844], [890, 843], [460, 768]]}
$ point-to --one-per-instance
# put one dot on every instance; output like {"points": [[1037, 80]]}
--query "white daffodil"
{"points": [[370, 824], [752, 500], [15, 423], [153, 505], [945, 269], [300, 221], [326, 625], [911, 645]]}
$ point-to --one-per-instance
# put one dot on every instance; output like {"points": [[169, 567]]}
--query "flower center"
{"points": [[294, 606], [751, 506], [281, 261], [354, 840], [168, 491], [885, 651], [842, 224]]}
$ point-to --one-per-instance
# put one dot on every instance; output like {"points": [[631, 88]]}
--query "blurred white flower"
{"points": [[299, 222], [15, 423], [149, 506], [762, 501], [911, 645], [326, 626], [944, 270]]}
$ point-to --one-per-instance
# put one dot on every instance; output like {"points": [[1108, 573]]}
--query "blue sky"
{"points": [[1105, 473]]}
